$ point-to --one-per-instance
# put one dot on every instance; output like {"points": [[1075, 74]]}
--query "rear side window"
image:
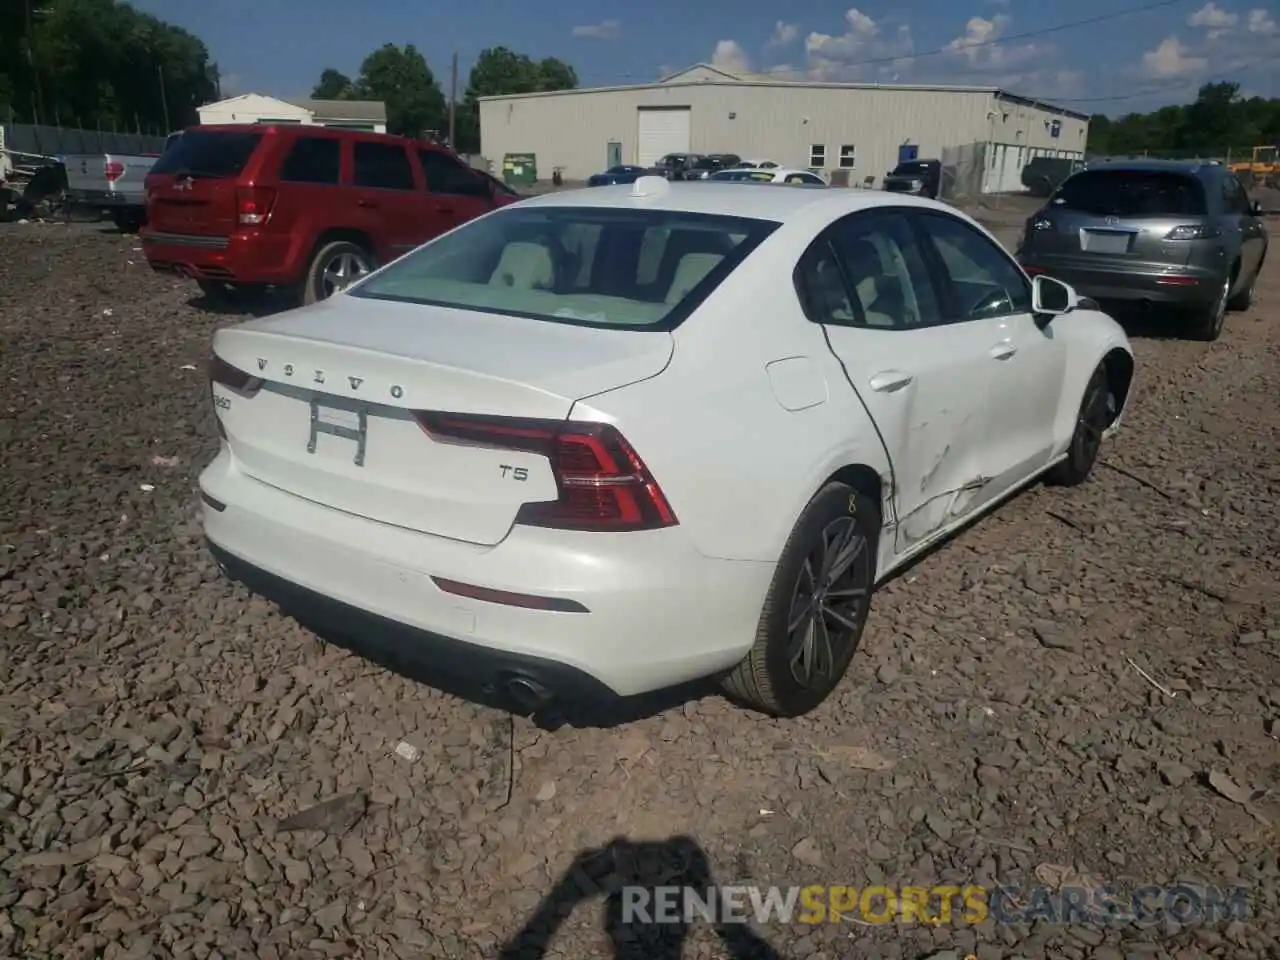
{"points": [[1132, 193], [444, 174], [383, 166], [208, 153], [313, 160]]}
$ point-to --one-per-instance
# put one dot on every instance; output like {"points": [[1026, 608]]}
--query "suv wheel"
{"points": [[1244, 299], [335, 267], [1208, 321]]}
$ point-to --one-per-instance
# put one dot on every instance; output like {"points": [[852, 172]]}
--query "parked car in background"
{"points": [[920, 178], [733, 411], [304, 208], [1042, 175], [705, 166], [626, 173], [761, 163], [1148, 232], [110, 182], [674, 165], [770, 175]]}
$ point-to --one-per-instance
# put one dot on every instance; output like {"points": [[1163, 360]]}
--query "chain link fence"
{"points": [[963, 168]]}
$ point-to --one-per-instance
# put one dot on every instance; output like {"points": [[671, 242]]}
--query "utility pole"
{"points": [[37, 97], [453, 106], [164, 97]]}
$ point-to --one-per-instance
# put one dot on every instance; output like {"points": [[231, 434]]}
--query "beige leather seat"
{"points": [[691, 271], [526, 266], [867, 274]]}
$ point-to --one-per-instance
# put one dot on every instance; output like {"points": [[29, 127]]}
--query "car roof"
{"points": [[311, 130], [777, 202], [1191, 167]]}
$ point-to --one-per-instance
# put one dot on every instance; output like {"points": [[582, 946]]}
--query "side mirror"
{"points": [[1255, 207], [1052, 297]]}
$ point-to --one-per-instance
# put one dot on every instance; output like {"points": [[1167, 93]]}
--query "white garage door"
{"points": [[662, 132]]}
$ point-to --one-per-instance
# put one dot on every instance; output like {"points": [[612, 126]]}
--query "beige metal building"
{"points": [[848, 131]]}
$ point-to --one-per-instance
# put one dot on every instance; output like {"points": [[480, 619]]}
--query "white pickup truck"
{"points": [[112, 182]]}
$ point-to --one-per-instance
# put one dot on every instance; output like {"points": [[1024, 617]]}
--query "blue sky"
{"points": [[1137, 62]]}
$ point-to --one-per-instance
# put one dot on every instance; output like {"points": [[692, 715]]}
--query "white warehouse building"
{"points": [[851, 132], [370, 115]]}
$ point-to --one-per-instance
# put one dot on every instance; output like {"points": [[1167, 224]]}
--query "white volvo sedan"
{"points": [[606, 441]]}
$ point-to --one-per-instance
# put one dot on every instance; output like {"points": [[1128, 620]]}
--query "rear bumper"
{"points": [[659, 613], [239, 258], [1172, 285], [105, 199]]}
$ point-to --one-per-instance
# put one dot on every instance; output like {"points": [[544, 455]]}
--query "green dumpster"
{"points": [[520, 169]]}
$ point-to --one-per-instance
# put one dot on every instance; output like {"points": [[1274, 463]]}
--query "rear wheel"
{"points": [[1244, 299], [1096, 413], [816, 607], [335, 266], [1208, 321]]}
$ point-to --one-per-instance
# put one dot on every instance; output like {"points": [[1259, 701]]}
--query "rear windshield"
{"points": [[1132, 193], [907, 169], [764, 176], [208, 153], [588, 266]]}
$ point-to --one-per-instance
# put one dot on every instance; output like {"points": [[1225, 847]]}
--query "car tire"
{"points": [[1244, 299], [1097, 409], [787, 672], [1207, 322], [327, 266], [215, 291]]}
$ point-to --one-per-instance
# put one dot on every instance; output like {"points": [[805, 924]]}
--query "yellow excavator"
{"points": [[1262, 170]]}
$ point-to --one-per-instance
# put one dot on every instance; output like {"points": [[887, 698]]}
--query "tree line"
{"points": [[1218, 121], [100, 64], [416, 103]]}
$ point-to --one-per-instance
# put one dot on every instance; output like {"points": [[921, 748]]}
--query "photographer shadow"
{"points": [[624, 872]]}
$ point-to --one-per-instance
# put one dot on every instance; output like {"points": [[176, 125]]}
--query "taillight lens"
{"points": [[1193, 231], [253, 205], [603, 483], [233, 378], [113, 171]]}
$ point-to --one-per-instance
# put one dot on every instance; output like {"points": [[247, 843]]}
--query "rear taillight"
{"points": [[253, 205], [224, 374], [113, 171], [1193, 231], [603, 483]]}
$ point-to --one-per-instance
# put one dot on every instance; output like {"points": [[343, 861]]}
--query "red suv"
{"points": [[305, 208]]}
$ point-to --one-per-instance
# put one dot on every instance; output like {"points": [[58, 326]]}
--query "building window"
{"points": [[848, 156], [1055, 128], [818, 155]]}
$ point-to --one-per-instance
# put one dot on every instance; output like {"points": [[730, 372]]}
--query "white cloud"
{"points": [[604, 30], [864, 46], [979, 49], [1172, 59], [1213, 19], [784, 34], [1261, 23], [731, 57]]}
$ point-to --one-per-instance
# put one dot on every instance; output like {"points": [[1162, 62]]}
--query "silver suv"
{"points": [[1150, 232]]}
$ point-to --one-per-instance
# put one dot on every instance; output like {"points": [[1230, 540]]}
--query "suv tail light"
{"points": [[1193, 231], [224, 374], [253, 205], [113, 171], [603, 483]]}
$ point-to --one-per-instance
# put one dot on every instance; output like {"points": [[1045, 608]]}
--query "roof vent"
{"points": [[649, 187]]}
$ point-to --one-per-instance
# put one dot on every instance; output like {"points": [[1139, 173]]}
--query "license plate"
{"points": [[349, 423], [1105, 241]]}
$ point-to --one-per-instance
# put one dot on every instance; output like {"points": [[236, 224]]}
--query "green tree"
{"points": [[400, 78], [499, 71], [333, 85], [1217, 123]]}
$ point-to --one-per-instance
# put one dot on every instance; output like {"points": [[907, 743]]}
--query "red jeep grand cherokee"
{"points": [[305, 208]]}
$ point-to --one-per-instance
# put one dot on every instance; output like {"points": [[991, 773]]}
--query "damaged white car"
{"points": [[606, 441]]}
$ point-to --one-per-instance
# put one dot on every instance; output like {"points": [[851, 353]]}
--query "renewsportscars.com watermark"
{"points": [[937, 905]]}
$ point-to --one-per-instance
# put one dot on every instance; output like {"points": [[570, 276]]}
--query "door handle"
{"points": [[1003, 350], [888, 381]]}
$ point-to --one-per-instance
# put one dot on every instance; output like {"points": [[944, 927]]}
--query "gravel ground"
{"points": [[1085, 684]]}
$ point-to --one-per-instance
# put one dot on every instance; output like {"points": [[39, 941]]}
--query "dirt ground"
{"points": [[1085, 685]]}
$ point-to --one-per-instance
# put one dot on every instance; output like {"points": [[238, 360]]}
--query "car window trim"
{"points": [[414, 186], [916, 218]]}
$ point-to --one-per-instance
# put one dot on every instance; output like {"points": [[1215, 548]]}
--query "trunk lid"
{"points": [[333, 420], [192, 188], [1119, 215]]}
